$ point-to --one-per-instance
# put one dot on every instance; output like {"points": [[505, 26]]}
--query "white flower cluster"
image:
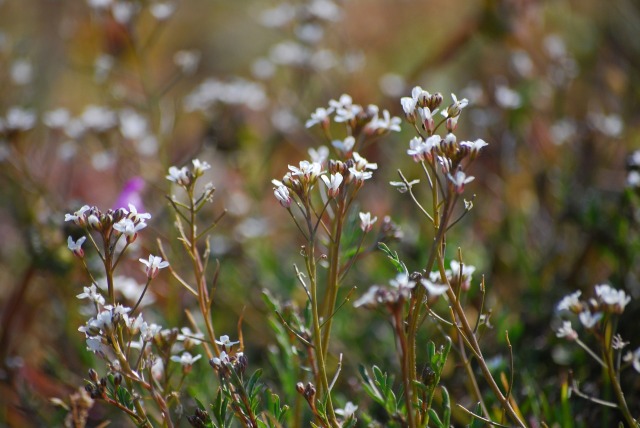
{"points": [[354, 115], [183, 176], [125, 223], [606, 300], [124, 11], [237, 92], [399, 290], [420, 110]]}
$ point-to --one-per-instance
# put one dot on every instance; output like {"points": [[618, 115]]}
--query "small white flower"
{"points": [[186, 359], [76, 247], [163, 10], [455, 108], [222, 359], [570, 302], [636, 360], [199, 167], [19, 119], [333, 184], [361, 163], [348, 411], [474, 146], [459, 180], [567, 331], [92, 294], [225, 342], [179, 175], [134, 215], [408, 105], [98, 118], [153, 265], [309, 171], [319, 156], [78, 217], [383, 124], [366, 222], [345, 146], [426, 117], [402, 281], [612, 297], [321, 115], [434, 288], [129, 228], [588, 319], [282, 195], [57, 119]]}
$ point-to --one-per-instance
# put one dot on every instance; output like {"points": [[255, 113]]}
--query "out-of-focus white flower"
{"points": [[57, 119], [221, 360], [566, 331], [571, 302], [348, 411], [474, 146], [320, 155], [162, 10], [19, 119], [199, 167], [345, 146], [187, 61], [636, 360], [617, 299], [179, 175], [153, 265], [21, 72], [386, 123], [434, 288], [588, 319], [321, 115], [507, 97], [186, 359], [366, 222], [98, 118], [99, 4], [133, 125]]}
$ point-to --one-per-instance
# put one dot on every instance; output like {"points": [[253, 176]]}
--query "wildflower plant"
{"points": [[599, 318]]}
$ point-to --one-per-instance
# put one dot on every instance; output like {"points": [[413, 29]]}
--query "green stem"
{"points": [[613, 376]]}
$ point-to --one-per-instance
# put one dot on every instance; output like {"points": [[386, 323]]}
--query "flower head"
{"points": [[76, 247], [282, 195], [366, 222], [153, 265], [571, 302], [566, 331], [459, 179], [333, 183], [179, 176], [225, 342]]}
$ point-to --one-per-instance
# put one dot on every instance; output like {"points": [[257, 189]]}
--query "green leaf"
{"points": [[446, 404], [433, 416], [475, 422], [393, 257]]}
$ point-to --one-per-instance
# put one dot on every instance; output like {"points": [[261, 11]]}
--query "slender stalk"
{"points": [[404, 363], [607, 355]]}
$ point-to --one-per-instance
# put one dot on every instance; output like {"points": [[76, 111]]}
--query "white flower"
{"points": [[133, 125], [344, 101], [426, 117], [282, 195], [321, 115], [333, 184], [371, 298], [366, 222], [78, 217], [455, 108], [434, 288], [199, 167], [92, 294], [459, 180], [179, 176], [463, 277], [222, 359], [359, 176], [129, 228], [612, 297], [186, 359], [348, 411], [402, 281], [163, 10], [567, 331], [76, 247], [402, 186], [588, 319], [636, 360], [225, 342], [345, 146], [361, 163], [385, 123], [187, 61], [56, 119], [408, 105], [319, 156], [570, 302], [190, 338], [134, 215], [19, 119], [98, 118], [475, 146], [153, 265], [308, 171]]}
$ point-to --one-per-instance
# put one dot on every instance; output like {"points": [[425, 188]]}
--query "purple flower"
{"points": [[130, 194]]}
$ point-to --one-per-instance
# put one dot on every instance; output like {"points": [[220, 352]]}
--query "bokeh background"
{"points": [[554, 88]]}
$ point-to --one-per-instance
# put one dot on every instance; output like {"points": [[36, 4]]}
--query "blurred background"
{"points": [[98, 92]]}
